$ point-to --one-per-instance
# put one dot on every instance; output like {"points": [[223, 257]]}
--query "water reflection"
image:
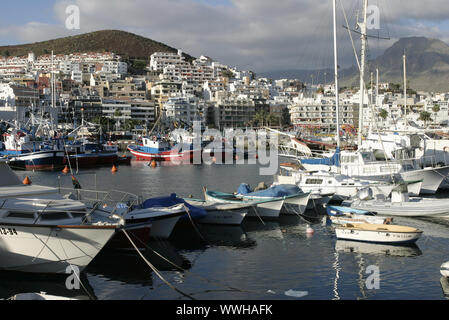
{"points": [[13, 283], [445, 286], [230, 236], [348, 246], [129, 267]]}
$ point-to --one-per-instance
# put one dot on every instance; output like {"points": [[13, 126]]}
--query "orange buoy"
{"points": [[27, 181], [153, 164], [114, 169], [66, 169]]}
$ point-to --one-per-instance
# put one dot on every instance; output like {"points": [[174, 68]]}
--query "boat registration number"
{"points": [[8, 232]]}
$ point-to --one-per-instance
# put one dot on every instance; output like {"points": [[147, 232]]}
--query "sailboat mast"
{"points": [[337, 97], [377, 88], [405, 86], [362, 26]]}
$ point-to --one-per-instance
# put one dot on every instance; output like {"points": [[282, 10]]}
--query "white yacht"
{"points": [[340, 186], [362, 164]]}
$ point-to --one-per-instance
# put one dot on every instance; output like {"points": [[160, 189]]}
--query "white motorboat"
{"points": [[222, 213], [400, 204], [363, 165], [44, 233], [379, 233], [341, 186]]}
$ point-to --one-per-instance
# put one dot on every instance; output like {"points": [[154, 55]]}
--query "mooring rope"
{"points": [[187, 271], [154, 269]]}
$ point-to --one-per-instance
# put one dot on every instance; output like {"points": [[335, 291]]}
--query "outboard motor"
{"points": [[365, 194]]}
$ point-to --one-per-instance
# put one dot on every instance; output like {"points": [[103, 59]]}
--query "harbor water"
{"points": [[274, 260]]}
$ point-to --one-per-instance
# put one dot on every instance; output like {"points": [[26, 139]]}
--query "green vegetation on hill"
{"points": [[128, 45]]}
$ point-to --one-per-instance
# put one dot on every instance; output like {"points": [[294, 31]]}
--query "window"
{"points": [[314, 181], [22, 215], [54, 216]]}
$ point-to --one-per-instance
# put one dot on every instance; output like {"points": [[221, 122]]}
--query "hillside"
{"points": [[126, 44], [427, 66]]}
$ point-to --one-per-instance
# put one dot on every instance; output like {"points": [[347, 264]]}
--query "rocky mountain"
{"points": [[427, 66]]}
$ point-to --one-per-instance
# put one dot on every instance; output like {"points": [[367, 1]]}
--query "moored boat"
{"points": [[381, 233], [343, 215], [221, 213], [295, 201], [269, 209]]}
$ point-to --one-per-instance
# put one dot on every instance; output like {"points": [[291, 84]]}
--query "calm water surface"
{"points": [[251, 261]]}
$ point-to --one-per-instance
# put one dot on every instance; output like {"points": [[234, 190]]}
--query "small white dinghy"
{"points": [[380, 233]]}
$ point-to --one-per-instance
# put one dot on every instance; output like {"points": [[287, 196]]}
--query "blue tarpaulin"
{"points": [[172, 200], [333, 161], [282, 190]]}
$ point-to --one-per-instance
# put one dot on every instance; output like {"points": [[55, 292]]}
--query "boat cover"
{"points": [[333, 161], [172, 200], [282, 190]]}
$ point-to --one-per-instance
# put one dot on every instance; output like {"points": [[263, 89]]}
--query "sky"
{"points": [[257, 35]]}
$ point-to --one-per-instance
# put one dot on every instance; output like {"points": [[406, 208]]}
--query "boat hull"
{"points": [[231, 217], [377, 236], [139, 234], [50, 249], [415, 207], [162, 156], [42, 161]]}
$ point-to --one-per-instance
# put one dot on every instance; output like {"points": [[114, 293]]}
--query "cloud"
{"points": [[261, 35]]}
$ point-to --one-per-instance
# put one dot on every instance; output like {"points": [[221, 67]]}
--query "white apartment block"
{"points": [[322, 111], [184, 110]]}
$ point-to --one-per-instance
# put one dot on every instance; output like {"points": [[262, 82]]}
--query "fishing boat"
{"points": [[34, 154], [221, 213], [43, 232], [295, 201], [379, 233], [85, 153], [269, 209], [155, 148], [343, 215]]}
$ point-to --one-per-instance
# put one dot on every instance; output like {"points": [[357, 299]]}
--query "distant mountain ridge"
{"points": [[427, 66], [126, 44]]}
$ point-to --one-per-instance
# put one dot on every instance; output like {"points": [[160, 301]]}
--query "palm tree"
{"points": [[260, 117], [425, 116], [436, 109], [383, 114]]}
